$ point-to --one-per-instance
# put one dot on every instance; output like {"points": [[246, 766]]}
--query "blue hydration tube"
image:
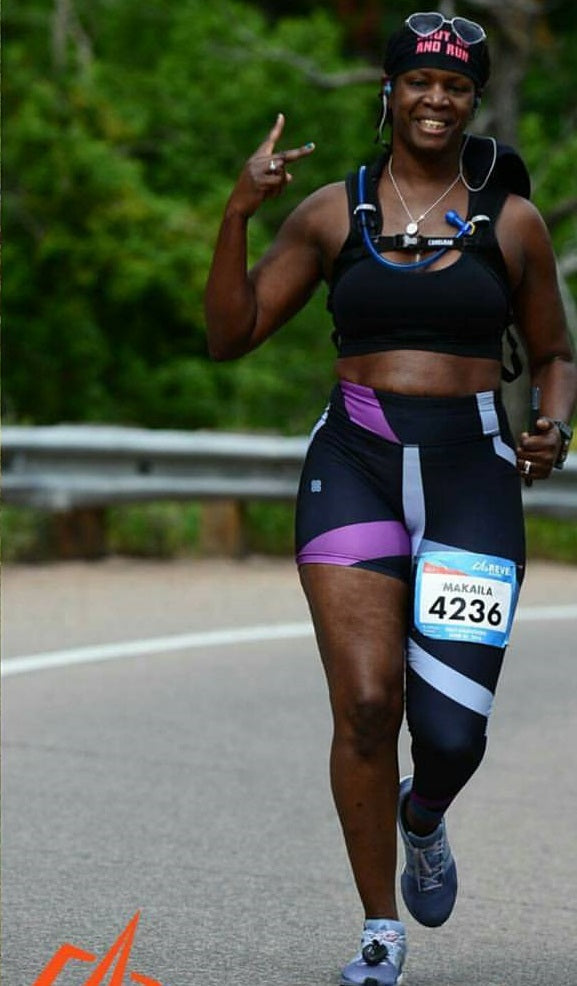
{"points": [[453, 218]]}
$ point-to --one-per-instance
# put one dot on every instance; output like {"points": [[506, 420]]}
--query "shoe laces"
{"points": [[380, 946], [430, 865]]}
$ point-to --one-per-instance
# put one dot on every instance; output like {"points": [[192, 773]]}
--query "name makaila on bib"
{"points": [[464, 596]]}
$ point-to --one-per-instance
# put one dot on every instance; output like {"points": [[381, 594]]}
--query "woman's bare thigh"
{"points": [[360, 620]]}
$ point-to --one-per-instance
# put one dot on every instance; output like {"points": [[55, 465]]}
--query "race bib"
{"points": [[460, 595]]}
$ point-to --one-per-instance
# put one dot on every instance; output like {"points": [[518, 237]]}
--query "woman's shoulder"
{"points": [[519, 209], [525, 239], [323, 215], [324, 200], [523, 219]]}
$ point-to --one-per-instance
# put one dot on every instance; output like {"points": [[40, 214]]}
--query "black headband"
{"points": [[443, 50]]}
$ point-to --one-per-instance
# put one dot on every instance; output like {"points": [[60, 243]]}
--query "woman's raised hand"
{"points": [[264, 175]]}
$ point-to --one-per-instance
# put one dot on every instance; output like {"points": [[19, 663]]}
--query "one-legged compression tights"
{"points": [[426, 490]]}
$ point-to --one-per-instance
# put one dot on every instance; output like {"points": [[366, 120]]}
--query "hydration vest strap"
{"points": [[363, 213], [364, 209], [420, 244]]}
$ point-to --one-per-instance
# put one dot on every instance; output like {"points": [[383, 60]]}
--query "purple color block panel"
{"points": [[364, 409], [356, 542]]}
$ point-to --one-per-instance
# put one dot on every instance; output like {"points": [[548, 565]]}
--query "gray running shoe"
{"points": [[381, 958], [429, 879]]}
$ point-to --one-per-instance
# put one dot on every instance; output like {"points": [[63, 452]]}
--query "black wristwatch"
{"points": [[566, 433]]}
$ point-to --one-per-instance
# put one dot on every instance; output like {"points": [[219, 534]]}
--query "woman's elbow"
{"points": [[221, 350]]}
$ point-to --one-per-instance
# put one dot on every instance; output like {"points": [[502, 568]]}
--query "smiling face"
{"points": [[431, 108]]}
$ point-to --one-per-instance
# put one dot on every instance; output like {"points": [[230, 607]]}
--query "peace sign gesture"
{"points": [[264, 175]]}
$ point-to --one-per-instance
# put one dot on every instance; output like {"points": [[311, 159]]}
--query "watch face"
{"points": [[566, 433], [565, 430]]}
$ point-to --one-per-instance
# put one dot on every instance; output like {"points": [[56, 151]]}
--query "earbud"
{"points": [[386, 92]]}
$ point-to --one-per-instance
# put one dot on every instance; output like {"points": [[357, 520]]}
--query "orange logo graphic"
{"points": [[119, 953]]}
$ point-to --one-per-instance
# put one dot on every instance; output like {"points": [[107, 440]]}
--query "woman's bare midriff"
{"points": [[421, 374]]}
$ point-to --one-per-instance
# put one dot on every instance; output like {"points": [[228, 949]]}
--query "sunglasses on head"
{"points": [[428, 23]]}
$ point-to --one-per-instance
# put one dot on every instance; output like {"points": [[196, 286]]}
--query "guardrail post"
{"points": [[80, 533], [222, 529]]}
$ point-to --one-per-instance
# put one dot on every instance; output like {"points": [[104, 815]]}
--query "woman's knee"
{"points": [[455, 747], [368, 720]]}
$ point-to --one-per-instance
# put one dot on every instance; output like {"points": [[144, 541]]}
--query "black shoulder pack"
{"points": [[493, 170]]}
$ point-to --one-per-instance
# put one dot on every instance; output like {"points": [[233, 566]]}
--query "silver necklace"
{"points": [[412, 227]]}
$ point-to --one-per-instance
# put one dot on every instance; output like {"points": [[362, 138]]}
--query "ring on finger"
{"points": [[526, 467], [273, 166]]}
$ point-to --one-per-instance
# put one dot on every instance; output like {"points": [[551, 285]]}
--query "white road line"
{"points": [[155, 645], [561, 612], [212, 638]]}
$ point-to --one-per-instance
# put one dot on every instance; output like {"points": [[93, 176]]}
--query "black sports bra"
{"points": [[462, 309]]}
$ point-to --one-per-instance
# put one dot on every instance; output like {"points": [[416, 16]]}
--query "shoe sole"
{"points": [[371, 981]]}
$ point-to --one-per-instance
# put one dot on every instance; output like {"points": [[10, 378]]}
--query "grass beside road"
{"points": [[172, 530], [552, 539]]}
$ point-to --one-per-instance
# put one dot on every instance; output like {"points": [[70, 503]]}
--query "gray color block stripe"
{"points": [[490, 425], [502, 449], [451, 683], [488, 412], [319, 424], [413, 496]]}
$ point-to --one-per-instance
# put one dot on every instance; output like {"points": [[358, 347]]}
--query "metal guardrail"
{"points": [[66, 467], [63, 467]]}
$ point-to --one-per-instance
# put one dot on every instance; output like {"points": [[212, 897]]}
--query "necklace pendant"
{"points": [[412, 228]]}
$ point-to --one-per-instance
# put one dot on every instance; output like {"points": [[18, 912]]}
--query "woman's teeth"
{"points": [[433, 124]]}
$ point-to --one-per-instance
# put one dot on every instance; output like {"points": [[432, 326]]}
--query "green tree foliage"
{"points": [[548, 130], [126, 126], [118, 166]]}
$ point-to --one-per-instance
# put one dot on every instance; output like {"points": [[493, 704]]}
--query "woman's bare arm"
{"points": [[243, 308], [540, 318]]}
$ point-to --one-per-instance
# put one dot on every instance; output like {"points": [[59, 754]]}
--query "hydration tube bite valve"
{"points": [[463, 225]]}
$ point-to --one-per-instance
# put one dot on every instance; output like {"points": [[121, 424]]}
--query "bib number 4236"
{"points": [[475, 610], [464, 596]]}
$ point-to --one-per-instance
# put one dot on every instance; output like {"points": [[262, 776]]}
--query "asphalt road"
{"points": [[190, 784]]}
